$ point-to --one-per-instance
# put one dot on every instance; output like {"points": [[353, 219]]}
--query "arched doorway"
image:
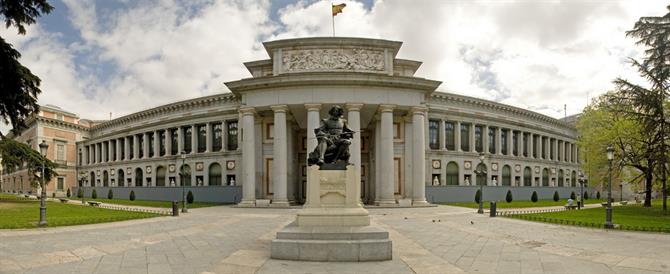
{"points": [[91, 180], [121, 180], [105, 178], [527, 177], [481, 178], [506, 176], [160, 176], [545, 177], [139, 177], [215, 174], [185, 175]]}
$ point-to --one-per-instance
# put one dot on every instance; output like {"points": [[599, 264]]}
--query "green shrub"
{"points": [[586, 195], [572, 195], [508, 197], [533, 198], [132, 195], [478, 196], [53, 194], [94, 194], [556, 198], [68, 194], [80, 193], [189, 197], [598, 195], [110, 194]]}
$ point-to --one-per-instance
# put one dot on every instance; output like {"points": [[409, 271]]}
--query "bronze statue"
{"points": [[334, 137]]}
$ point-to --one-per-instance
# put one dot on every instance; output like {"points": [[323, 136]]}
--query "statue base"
{"points": [[332, 226]]}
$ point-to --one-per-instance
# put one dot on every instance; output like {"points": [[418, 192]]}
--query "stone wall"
{"points": [[442, 194], [211, 194]]}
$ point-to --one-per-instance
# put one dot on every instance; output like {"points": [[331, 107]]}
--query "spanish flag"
{"points": [[338, 8]]}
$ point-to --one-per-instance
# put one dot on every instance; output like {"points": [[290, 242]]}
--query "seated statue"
{"points": [[334, 138]]}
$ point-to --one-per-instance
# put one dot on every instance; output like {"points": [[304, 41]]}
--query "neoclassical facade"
{"points": [[250, 146]]}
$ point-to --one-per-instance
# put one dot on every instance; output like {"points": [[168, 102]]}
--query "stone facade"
{"points": [[408, 134]]}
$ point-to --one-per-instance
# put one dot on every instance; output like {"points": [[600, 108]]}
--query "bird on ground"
{"points": [[472, 223]]}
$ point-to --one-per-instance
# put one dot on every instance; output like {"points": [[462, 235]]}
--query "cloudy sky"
{"points": [[97, 57]]}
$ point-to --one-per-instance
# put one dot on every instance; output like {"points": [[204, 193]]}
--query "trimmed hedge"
{"points": [[509, 197], [533, 198], [110, 194], [94, 194], [572, 195], [556, 198], [132, 195], [189, 197], [478, 196]]}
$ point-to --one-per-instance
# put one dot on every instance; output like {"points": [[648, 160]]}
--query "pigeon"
{"points": [[405, 218], [472, 223]]}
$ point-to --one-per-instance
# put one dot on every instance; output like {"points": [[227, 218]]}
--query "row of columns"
{"points": [[562, 150], [111, 150]]}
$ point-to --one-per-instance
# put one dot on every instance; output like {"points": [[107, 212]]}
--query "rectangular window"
{"points": [[121, 144], [202, 138], [515, 143], [151, 144], [232, 135], [60, 183], [465, 137], [492, 140], [140, 138], [450, 135], [433, 135], [503, 141], [217, 137], [551, 149], [60, 151], [479, 139], [188, 136], [161, 142], [174, 149]]}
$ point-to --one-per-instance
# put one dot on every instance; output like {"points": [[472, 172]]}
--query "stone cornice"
{"points": [[170, 108], [332, 79], [442, 97], [331, 42], [58, 123]]}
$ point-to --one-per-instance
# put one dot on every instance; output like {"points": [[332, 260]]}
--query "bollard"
{"points": [[492, 209], [175, 208]]}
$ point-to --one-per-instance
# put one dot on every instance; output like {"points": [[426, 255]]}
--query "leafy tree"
{"points": [[572, 195], [478, 196], [110, 194], [68, 193], [80, 193], [18, 156], [18, 85], [556, 198], [533, 197], [586, 195], [509, 197], [598, 195], [94, 194], [189, 197], [132, 195]]}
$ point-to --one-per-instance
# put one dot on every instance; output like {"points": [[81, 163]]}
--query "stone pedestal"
{"points": [[332, 226]]}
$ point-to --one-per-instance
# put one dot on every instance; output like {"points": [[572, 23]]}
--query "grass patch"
{"points": [[629, 217], [25, 214], [161, 204], [523, 204]]}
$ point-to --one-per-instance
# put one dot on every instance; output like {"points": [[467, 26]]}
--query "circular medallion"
{"points": [[230, 165], [467, 165], [436, 164]]}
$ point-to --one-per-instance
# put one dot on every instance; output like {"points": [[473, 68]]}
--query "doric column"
{"points": [[561, 150], [224, 136], [118, 149], [547, 148], [280, 157], [104, 146], [248, 157], [180, 140], [472, 138], [194, 139], [510, 145], [574, 153], [136, 146], [168, 142], [208, 137], [419, 156], [485, 139], [531, 145], [457, 133], [145, 145], [126, 147], [387, 168], [567, 152], [84, 156], [519, 140], [440, 133], [354, 119], [157, 144], [110, 151], [312, 123], [554, 148], [378, 157]]}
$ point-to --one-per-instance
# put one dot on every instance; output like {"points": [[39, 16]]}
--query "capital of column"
{"points": [[313, 107], [354, 106], [386, 108], [247, 110], [279, 108], [419, 110]]}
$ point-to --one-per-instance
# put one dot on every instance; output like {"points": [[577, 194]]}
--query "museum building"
{"points": [[412, 145]]}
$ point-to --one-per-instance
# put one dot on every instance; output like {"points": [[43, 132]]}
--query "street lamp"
{"points": [[608, 212], [43, 204], [480, 172], [182, 175], [580, 203]]}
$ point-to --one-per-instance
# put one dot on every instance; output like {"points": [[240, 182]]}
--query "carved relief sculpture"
{"points": [[333, 59]]}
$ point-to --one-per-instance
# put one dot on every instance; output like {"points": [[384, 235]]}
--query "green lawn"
{"points": [[25, 214], [523, 204], [163, 204], [630, 217]]}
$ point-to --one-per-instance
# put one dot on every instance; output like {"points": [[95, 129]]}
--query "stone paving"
{"points": [[425, 240]]}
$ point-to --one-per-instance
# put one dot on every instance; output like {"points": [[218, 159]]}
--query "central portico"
{"points": [[384, 103]]}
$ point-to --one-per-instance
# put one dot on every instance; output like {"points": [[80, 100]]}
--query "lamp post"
{"points": [[580, 203], [621, 192], [479, 172], [182, 175], [82, 179], [608, 211], [43, 204]]}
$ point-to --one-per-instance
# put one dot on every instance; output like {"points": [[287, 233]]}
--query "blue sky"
{"points": [[96, 57]]}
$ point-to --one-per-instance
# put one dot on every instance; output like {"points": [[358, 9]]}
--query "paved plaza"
{"points": [[425, 240]]}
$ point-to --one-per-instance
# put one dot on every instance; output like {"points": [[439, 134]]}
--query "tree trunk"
{"points": [[649, 178]]}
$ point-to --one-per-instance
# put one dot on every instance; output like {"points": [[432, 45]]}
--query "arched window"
{"points": [[215, 174], [452, 174], [506, 176], [160, 176], [105, 178], [561, 179], [185, 175], [91, 180], [545, 177], [481, 178], [573, 181], [121, 177], [139, 177], [527, 177]]}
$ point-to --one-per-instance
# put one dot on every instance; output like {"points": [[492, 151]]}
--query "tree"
{"points": [[18, 85], [649, 102], [132, 195], [572, 195], [478, 196], [533, 197], [94, 194], [508, 197], [189, 197], [110, 194], [556, 198], [18, 156]]}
